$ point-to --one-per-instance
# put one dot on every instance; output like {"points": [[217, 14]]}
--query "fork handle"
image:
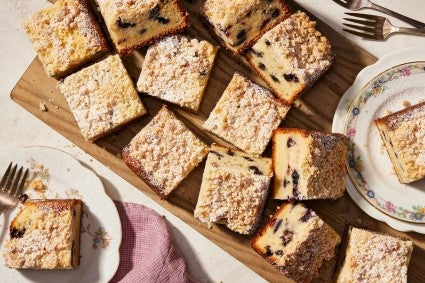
{"points": [[411, 31], [413, 22]]}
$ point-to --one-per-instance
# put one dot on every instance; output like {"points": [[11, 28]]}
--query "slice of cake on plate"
{"points": [[296, 241], [234, 189], [246, 115], [136, 23], [291, 56], [375, 257], [176, 69], [164, 152], [403, 133], [45, 234], [308, 164], [65, 36], [102, 97], [239, 23]]}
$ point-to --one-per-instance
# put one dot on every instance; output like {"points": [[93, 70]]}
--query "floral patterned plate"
{"points": [[393, 83], [56, 174]]}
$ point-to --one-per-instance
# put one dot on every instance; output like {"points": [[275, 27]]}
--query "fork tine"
{"points": [[3, 180], [20, 187], [363, 28], [10, 178], [342, 3], [16, 179], [357, 21], [367, 35], [364, 16]]}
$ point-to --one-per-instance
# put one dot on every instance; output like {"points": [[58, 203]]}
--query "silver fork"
{"points": [[11, 186], [356, 5], [375, 27]]}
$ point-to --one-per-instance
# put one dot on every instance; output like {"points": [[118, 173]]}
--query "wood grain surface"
{"points": [[314, 110]]}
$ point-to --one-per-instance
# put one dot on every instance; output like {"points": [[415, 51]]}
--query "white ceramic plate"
{"points": [[65, 177], [394, 82]]}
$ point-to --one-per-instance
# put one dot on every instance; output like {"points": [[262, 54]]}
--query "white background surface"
{"points": [[205, 260]]}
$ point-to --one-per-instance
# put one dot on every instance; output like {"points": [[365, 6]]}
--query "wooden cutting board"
{"points": [[314, 110]]}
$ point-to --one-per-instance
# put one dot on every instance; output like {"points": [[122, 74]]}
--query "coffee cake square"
{"points": [[136, 23], [164, 152], [234, 189], [102, 98], [296, 241], [176, 69], [239, 23], [65, 36], [375, 257], [246, 115], [291, 56]]}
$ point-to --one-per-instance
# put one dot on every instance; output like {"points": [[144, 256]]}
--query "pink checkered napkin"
{"points": [[147, 251]]}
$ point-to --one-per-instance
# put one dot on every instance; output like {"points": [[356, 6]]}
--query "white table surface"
{"points": [[205, 260]]}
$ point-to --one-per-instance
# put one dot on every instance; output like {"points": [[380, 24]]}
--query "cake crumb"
{"points": [[406, 104], [42, 106]]}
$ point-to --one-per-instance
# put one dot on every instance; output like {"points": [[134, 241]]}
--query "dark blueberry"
{"points": [[262, 66], [241, 34], [247, 158], [307, 215], [23, 197], [142, 31], [295, 193], [291, 78], [290, 142], [295, 177], [268, 251], [277, 226], [230, 152], [287, 237], [123, 24], [257, 53], [274, 79], [248, 14], [256, 170], [264, 23], [285, 183], [279, 253], [162, 20], [203, 72], [226, 29], [17, 233], [216, 153], [154, 12], [275, 13], [268, 43]]}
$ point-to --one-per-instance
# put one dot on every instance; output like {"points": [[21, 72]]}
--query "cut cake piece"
{"points": [[291, 56], [45, 234], [176, 69], [102, 97], [403, 133], [239, 23], [164, 152], [375, 257], [246, 115], [308, 164], [136, 23], [65, 36], [234, 189], [296, 241]]}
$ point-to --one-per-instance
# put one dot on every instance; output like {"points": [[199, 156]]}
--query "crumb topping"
{"points": [[102, 97], [246, 115], [63, 35], [166, 150], [176, 69], [305, 49], [375, 257]]}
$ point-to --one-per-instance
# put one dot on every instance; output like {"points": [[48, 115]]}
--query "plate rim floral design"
{"points": [[344, 108], [375, 87], [100, 231]]}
